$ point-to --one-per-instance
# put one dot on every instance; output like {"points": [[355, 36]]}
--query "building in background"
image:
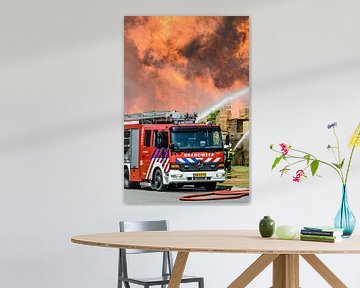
{"points": [[236, 127]]}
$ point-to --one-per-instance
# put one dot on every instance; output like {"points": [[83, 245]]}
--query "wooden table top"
{"points": [[217, 241]]}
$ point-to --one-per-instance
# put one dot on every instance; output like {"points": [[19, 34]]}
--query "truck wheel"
{"points": [[127, 183], [210, 186], [158, 182]]}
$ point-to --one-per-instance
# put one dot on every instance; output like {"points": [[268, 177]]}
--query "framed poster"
{"points": [[186, 105]]}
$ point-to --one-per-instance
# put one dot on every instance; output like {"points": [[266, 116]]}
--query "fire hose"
{"points": [[216, 195]]}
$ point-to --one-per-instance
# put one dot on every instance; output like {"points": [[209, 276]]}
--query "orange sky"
{"points": [[183, 63]]}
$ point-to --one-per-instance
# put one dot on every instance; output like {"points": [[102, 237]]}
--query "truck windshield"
{"points": [[196, 138]]}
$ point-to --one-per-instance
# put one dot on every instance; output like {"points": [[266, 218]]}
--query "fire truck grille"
{"points": [[195, 167]]}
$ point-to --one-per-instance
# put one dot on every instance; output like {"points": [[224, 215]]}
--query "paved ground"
{"points": [[148, 196], [238, 181]]}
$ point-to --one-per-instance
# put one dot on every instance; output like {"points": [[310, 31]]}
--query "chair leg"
{"points": [[201, 283], [165, 266], [126, 284]]}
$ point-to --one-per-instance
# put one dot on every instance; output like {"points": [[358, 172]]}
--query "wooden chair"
{"points": [[167, 262]]}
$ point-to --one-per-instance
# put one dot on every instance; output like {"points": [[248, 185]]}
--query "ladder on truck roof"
{"points": [[161, 117]]}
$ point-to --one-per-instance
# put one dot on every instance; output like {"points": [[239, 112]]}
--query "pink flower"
{"points": [[284, 148], [300, 174]]}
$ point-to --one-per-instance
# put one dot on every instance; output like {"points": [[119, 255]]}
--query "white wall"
{"points": [[60, 143]]}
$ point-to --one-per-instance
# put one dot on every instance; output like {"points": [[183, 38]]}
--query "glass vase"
{"points": [[345, 219]]}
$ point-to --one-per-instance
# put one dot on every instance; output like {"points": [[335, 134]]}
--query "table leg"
{"points": [[286, 271], [178, 269], [253, 270], [324, 271]]}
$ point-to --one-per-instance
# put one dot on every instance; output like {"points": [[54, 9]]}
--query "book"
{"points": [[320, 236], [321, 233], [325, 240], [323, 228]]}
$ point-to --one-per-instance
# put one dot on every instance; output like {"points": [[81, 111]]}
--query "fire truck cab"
{"points": [[163, 149]]}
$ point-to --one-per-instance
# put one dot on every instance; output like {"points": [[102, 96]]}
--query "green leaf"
{"points": [[339, 166], [276, 161], [342, 163], [314, 166], [336, 165], [307, 157]]}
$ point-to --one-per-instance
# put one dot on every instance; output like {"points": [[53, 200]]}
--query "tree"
{"points": [[212, 116]]}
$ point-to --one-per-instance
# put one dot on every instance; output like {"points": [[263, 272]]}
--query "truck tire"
{"points": [[210, 186], [158, 183], [127, 183]]}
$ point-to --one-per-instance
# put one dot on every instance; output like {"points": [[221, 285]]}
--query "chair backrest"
{"points": [[135, 226]]}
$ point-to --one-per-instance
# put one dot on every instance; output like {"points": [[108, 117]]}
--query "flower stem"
{"points": [[348, 167], [333, 152], [320, 161], [350, 159], [339, 156], [296, 162], [338, 146], [338, 171], [352, 152], [304, 152]]}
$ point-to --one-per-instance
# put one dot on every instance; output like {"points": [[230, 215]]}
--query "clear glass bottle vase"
{"points": [[345, 219]]}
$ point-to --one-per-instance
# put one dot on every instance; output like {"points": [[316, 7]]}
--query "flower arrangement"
{"points": [[344, 218], [293, 156]]}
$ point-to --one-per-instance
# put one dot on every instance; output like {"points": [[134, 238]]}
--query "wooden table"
{"points": [[284, 254]]}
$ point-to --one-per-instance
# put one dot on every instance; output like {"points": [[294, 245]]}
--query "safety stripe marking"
{"points": [[167, 165], [161, 157], [149, 168]]}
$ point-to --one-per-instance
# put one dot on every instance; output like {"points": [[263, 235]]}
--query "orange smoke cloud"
{"points": [[183, 63]]}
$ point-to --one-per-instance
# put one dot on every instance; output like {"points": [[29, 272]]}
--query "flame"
{"points": [[184, 63]]}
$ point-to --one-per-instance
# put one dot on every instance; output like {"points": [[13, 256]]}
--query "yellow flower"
{"points": [[355, 138]]}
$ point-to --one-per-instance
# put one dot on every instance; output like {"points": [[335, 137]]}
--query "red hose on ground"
{"points": [[216, 195]]}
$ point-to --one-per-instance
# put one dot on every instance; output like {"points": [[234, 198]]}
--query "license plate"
{"points": [[199, 175]]}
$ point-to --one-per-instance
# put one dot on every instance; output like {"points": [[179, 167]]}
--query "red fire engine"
{"points": [[164, 149]]}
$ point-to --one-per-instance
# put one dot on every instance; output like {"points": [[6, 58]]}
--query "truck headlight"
{"points": [[220, 174], [177, 176]]}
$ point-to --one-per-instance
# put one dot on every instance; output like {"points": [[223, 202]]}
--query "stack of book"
{"points": [[321, 234]]}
